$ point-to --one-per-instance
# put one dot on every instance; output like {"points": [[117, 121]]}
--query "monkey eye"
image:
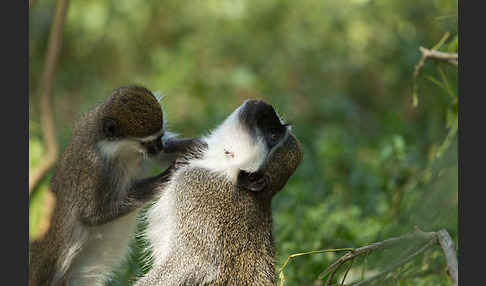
{"points": [[274, 135], [110, 127]]}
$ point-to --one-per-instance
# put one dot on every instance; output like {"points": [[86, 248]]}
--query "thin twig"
{"points": [[290, 257], [329, 279], [45, 90], [441, 41], [418, 234], [430, 243], [434, 54], [451, 58], [449, 250], [347, 270], [441, 237]]}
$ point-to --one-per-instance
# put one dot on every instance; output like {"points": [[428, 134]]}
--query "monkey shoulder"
{"points": [[200, 182]]}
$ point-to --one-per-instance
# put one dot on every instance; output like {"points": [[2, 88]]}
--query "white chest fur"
{"points": [[161, 226], [105, 248]]}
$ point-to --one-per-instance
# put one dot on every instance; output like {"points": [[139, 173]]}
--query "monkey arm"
{"points": [[108, 208], [176, 145], [144, 190]]}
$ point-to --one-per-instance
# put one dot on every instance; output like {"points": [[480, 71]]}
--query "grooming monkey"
{"points": [[99, 187], [212, 224]]}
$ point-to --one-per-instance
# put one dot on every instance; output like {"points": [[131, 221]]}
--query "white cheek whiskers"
{"points": [[126, 150], [143, 154]]}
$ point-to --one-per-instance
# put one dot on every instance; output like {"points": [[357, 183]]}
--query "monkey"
{"points": [[212, 225], [100, 185]]}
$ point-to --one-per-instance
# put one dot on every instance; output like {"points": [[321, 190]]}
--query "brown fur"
{"points": [[137, 109]]}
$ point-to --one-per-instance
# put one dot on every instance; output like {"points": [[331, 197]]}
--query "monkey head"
{"points": [[132, 117], [282, 153], [254, 148]]}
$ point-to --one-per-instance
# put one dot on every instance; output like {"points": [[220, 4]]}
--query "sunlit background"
{"points": [[341, 72]]}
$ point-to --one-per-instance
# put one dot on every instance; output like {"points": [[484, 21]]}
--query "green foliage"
{"points": [[374, 163], [36, 151]]}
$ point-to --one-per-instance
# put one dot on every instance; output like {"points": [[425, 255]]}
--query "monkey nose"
{"points": [[153, 147]]}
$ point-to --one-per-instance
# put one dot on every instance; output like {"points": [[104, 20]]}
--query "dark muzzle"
{"points": [[154, 147]]}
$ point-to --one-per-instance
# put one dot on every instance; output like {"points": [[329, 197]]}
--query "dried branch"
{"points": [[449, 250], [45, 89], [417, 235], [347, 271], [290, 257], [394, 266], [451, 58], [329, 280], [441, 237]]}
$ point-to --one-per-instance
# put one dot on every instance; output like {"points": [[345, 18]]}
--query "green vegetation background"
{"points": [[339, 71]]}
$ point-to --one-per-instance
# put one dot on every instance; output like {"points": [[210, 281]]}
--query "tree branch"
{"points": [[441, 237], [449, 250], [418, 234], [281, 271], [395, 265], [45, 90], [451, 58]]}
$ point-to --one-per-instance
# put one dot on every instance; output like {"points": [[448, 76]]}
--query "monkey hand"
{"points": [[145, 190], [254, 182]]}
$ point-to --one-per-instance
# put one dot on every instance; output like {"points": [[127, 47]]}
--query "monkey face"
{"points": [[283, 150], [261, 120]]}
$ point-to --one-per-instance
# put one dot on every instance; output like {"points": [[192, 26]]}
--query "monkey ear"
{"points": [[254, 182]]}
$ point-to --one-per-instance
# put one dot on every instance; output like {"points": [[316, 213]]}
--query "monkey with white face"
{"points": [[212, 224]]}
